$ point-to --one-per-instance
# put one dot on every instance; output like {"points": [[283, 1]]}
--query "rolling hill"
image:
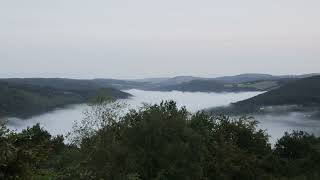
{"points": [[76, 84], [23, 100], [242, 78], [205, 86], [237, 83], [302, 94], [213, 85], [305, 91], [242, 82], [252, 77]]}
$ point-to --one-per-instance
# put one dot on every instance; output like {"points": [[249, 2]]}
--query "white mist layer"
{"points": [[61, 121], [277, 124]]}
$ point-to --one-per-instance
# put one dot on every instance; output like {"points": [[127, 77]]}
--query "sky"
{"points": [[131, 39]]}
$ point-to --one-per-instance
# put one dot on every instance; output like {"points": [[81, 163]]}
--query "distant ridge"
{"points": [[237, 83], [241, 82], [241, 78]]}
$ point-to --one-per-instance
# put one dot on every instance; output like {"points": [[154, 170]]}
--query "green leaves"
{"points": [[158, 142], [26, 154]]}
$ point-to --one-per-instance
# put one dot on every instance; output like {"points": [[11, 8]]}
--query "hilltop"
{"points": [[237, 83], [242, 82], [205, 86]]}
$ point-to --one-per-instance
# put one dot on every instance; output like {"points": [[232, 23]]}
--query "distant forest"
{"points": [[23, 100], [298, 95]]}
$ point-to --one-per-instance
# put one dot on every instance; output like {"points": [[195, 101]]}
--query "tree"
{"points": [[158, 142], [27, 155], [300, 154]]}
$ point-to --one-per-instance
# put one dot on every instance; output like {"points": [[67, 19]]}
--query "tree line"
{"points": [[158, 142]]}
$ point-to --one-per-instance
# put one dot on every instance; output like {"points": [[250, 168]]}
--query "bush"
{"points": [[158, 142]]}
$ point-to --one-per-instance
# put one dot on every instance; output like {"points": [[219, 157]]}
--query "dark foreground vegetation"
{"points": [[159, 142]]}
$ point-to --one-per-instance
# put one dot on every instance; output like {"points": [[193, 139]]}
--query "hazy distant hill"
{"points": [[206, 86], [246, 78], [120, 84], [154, 83], [151, 80], [78, 84], [212, 85], [242, 82], [21, 100], [250, 77], [178, 80]]}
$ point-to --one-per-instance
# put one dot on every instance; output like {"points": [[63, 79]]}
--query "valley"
{"points": [[294, 101]]}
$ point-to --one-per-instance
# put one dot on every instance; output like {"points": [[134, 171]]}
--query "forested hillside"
{"points": [[242, 82], [302, 95], [305, 91], [205, 86], [237, 83], [21, 100], [75, 84], [221, 86]]}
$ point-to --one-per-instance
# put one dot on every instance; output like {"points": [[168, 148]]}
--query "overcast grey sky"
{"points": [[146, 38]]}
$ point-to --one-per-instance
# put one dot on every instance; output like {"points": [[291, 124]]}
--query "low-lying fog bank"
{"points": [[61, 121], [194, 101], [277, 124]]}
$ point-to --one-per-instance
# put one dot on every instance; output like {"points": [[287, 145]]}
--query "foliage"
{"points": [[299, 153], [158, 142], [26, 155], [102, 112]]}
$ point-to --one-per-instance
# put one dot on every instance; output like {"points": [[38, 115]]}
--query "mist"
{"points": [[277, 124], [61, 121]]}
